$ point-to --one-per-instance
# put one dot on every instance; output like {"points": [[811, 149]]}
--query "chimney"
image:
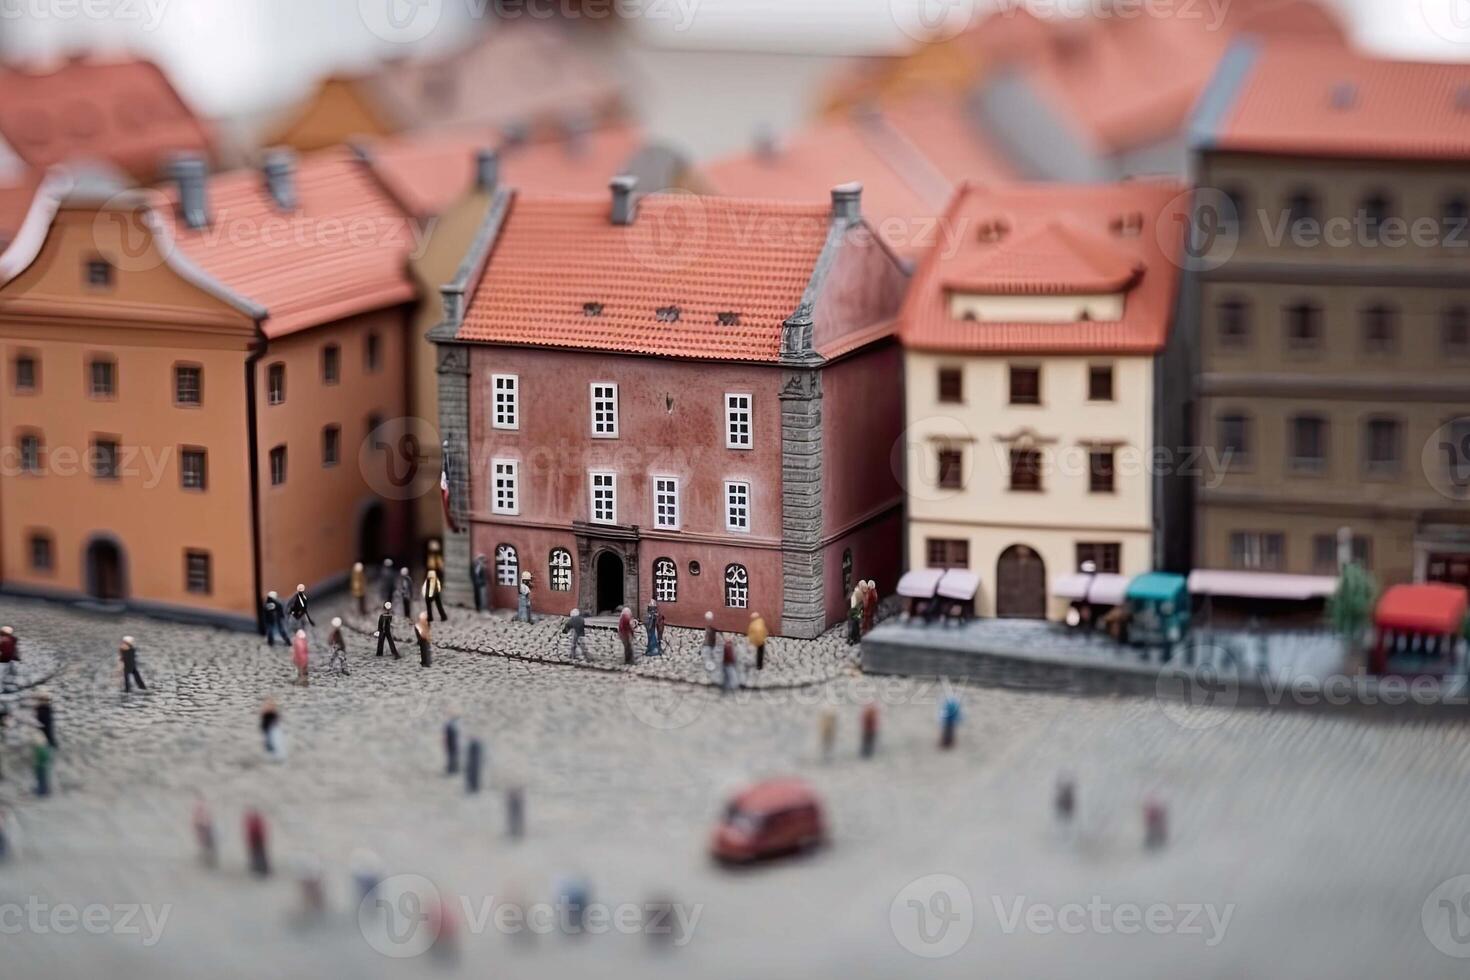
{"points": [[188, 172], [624, 205], [514, 134], [280, 178], [487, 170], [847, 202]]}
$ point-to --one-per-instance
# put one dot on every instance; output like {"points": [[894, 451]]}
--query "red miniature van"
{"points": [[778, 816]]}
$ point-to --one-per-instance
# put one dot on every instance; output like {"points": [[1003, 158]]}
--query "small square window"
{"points": [[30, 453], [505, 486], [103, 377], [1026, 470], [951, 469], [278, 466], [666, 503], [192, 469], [331, 445], [1100, 383], [506, 394], [1025, 385], [197, 572], [1258, 550], [331, 364], [1100, 471], [947, 552], [604, 410], [99, 273], [27, 374], [1106, 556], [276, 383], [604, 498], [40, 548], [188, 385], [372, 352], [737, 507], [951, 385], [104, 460]]}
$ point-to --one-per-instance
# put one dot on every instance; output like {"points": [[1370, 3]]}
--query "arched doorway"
{"points": [[609, 582], [1020, 584], [106, 579], [371, 536]]}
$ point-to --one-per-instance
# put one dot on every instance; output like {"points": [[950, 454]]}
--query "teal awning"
{"points": [[1157, 587]]}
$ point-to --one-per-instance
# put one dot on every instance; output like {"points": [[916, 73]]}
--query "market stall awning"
{"points": [[1104, 588], [1431, 608], [1156, 587], [959, 584], [1261, 585], [920, 583]]}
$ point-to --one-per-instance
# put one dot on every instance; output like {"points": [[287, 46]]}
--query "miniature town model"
{"points": [[574, 489]]}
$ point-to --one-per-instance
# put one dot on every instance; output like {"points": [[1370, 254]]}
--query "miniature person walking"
{"points": [[301, 657], [9, 656], [625, 633], [387, 580], [1065, 803], [480, 582], [515, 811], [300, 615], [711, 642], [127, 655], [338, 646], [949, 718], [434, 596], [870, 605], [474, 758], [756, 635], [576, 625], [384, 632], [870, 730], [434, 560], [405, 593], [270, 730], [46, 718], [451, 746], [827, 732], [653, 625], [203, 822], [357, 585], [273, 611], [523, 607], [855, 614], [255, 843], [729, 679], [41, 766], [1155, 824], [422, 637]]}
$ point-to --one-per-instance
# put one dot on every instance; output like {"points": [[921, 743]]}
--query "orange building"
{"points": [[192, 379]]}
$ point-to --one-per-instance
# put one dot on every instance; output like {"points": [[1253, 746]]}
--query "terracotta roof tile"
{"points": [[125, 113], [343, 250], [1054, 239], [1321, 100], [651, 294]]}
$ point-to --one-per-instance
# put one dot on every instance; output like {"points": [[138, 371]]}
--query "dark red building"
{"points": [[691, 399]]}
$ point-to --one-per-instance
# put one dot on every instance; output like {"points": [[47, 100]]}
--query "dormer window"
{"points": [[1344, 95], [99, 273], [993, 231], [1127, 225], [592, 309], [728, 319], [667, 314]]}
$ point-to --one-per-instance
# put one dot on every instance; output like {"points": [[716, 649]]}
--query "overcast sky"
{"points": [[234, 55]]}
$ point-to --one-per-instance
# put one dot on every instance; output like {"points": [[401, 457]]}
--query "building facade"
{"points": [[1333, 315], [708, 426], [1044, 390]]}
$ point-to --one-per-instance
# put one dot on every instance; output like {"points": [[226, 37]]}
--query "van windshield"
{"points": [[746, 823]]}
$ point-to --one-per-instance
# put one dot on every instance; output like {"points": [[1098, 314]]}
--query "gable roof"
{"points": [[343, 250], [561, 274], [15, 201], [125, 113], [1317, 100], [1054, 239]]}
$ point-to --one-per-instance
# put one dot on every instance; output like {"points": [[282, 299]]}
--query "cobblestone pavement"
{"points": [[1317, 843]]}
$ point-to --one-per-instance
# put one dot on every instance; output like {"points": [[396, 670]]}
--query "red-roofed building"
{"points": [[195, 380], [680, 398], [123, 113], [1333, 313], [1044, 380]]}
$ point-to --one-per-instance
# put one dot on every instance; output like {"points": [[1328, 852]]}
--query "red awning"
{"points": [[1433, 608]]}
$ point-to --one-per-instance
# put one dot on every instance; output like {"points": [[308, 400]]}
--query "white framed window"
{"points": [[666, 502], [604, 497], [737, 586], [604, 410], [560, 564], [507, 565], [737, 507], [737, 420], [665, 580], [505, 486], [506, 396]]}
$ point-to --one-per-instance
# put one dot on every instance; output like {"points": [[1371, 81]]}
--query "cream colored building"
{"points": [[1037, 375]]}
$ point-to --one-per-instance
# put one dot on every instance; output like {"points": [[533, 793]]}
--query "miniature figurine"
{"points": [[387, 580], [274, 614], [9, 838], [577, 626], [870, 605], [45, 718], [434, 561], [421, 636], [405, 593], [384, 632], [298, 611], [515, 812], [127, 654], [451, 746], [270, 729], [9, 646], [1155, 824], [653, 625], [41, 766], [827, 732], [473, 760], [729, 680], [357, 585], [338, 646], [756, 635], [313, 895], [433, 595], [625, 633], [870, 730], [203, 822], [711, 641], [523, 608], [572, 895], [949, 717], [255, 843], [480, 582], [301, 657], [366, 871], [855, 614], [443, 928]]}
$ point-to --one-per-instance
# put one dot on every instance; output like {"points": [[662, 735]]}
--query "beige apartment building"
{"points": [[1333, 314], [1039, 383]]}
